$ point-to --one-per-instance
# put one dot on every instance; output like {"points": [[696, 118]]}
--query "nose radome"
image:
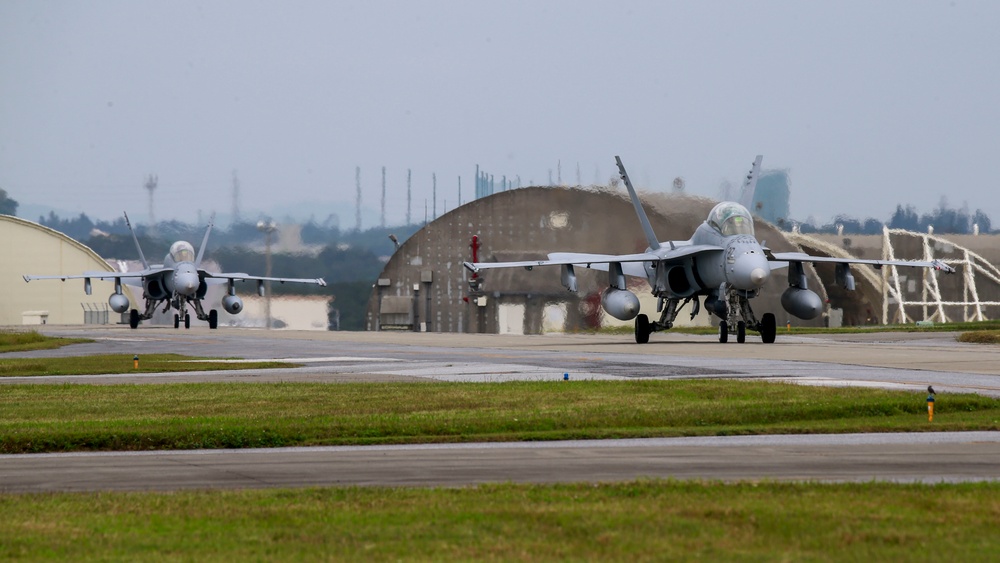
{"points": [[187, 283], [758, 276]]}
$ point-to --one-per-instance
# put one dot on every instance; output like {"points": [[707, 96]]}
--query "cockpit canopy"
{"points": [[182, 251], [731, 218]]}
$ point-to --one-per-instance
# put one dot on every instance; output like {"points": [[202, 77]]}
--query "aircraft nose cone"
{"points": [[186, 283], [749, 272]]}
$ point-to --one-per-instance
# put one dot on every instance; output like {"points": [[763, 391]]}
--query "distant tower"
{"points": [[236, 198], [357, 183], [434, 195], [408, 198], [579, 182], [460, 191], [383, 197], [151, 181]]}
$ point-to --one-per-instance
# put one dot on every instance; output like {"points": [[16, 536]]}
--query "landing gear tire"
{"points": [[213, 319], [133, 318], [768, 328], [187, 320], [741, 332], [642, 329], [177, 320], [723, 332]]}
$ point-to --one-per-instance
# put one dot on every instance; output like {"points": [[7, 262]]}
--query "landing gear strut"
{"points": [[740, 318]]}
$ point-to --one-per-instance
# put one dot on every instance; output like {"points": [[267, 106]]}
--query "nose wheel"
{"points": [[187, 320]]}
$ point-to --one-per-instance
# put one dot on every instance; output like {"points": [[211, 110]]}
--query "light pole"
{"points": [[268, 228]]}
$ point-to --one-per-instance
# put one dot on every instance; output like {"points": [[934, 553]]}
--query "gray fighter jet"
{"points": [[722, 262], [179, 281]]}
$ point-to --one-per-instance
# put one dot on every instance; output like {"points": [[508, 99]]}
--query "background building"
{"points": [[425, 287], [30, 248]]}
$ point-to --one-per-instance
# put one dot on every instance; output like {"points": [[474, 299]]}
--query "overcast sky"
{"points": [[866, 103]]}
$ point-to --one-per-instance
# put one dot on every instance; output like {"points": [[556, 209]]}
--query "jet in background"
{"points": [[722, 262], [177, 282]]}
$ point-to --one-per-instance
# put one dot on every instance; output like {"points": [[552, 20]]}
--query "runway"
{"points": [[895, 360], [923, 457]]}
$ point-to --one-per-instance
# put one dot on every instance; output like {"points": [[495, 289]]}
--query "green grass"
{"points": [[237, 415], [23, 341], [123, 363], [633, 521], [980, 337]]}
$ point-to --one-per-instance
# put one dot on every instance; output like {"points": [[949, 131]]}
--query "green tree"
{"points": [[8, 206]]}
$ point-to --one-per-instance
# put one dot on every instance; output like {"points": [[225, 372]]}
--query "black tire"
{"points": [[642, 329], [768, 328], [741, 332], [177, 320], [133, 318], [723, 332], [187, 320], [213, 319]]}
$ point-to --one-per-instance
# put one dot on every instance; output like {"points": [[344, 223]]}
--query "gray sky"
{"points": [[866, 104]]}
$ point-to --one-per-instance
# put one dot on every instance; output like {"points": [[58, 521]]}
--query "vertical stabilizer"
{"points": [[135, 239], [646, 227], [204, 242], [750, 184]]}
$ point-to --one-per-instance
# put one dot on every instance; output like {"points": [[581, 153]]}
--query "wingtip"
{"points": [[471, 267]]}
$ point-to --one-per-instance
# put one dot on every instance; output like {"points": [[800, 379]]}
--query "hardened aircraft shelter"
{"points": [[424, 286], [30, 248]]}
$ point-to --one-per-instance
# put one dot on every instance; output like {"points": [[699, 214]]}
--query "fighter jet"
{"points": [[722, 262], [177, 282]]}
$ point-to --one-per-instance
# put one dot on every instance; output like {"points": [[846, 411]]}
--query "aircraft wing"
{"points": [[802, 257], [224, 278], [631, 263], [104, 276], [563, 258]]}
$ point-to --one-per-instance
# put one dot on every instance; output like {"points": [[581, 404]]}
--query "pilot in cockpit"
{"points": [[731, 218], [182, 251]]}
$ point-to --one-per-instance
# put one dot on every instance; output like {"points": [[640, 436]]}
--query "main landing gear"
{"points": [[739, 319]]}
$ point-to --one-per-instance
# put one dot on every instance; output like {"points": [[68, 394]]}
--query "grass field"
{"points": [[632, 521], [236, 415], [23, 341], [123, 363]]}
